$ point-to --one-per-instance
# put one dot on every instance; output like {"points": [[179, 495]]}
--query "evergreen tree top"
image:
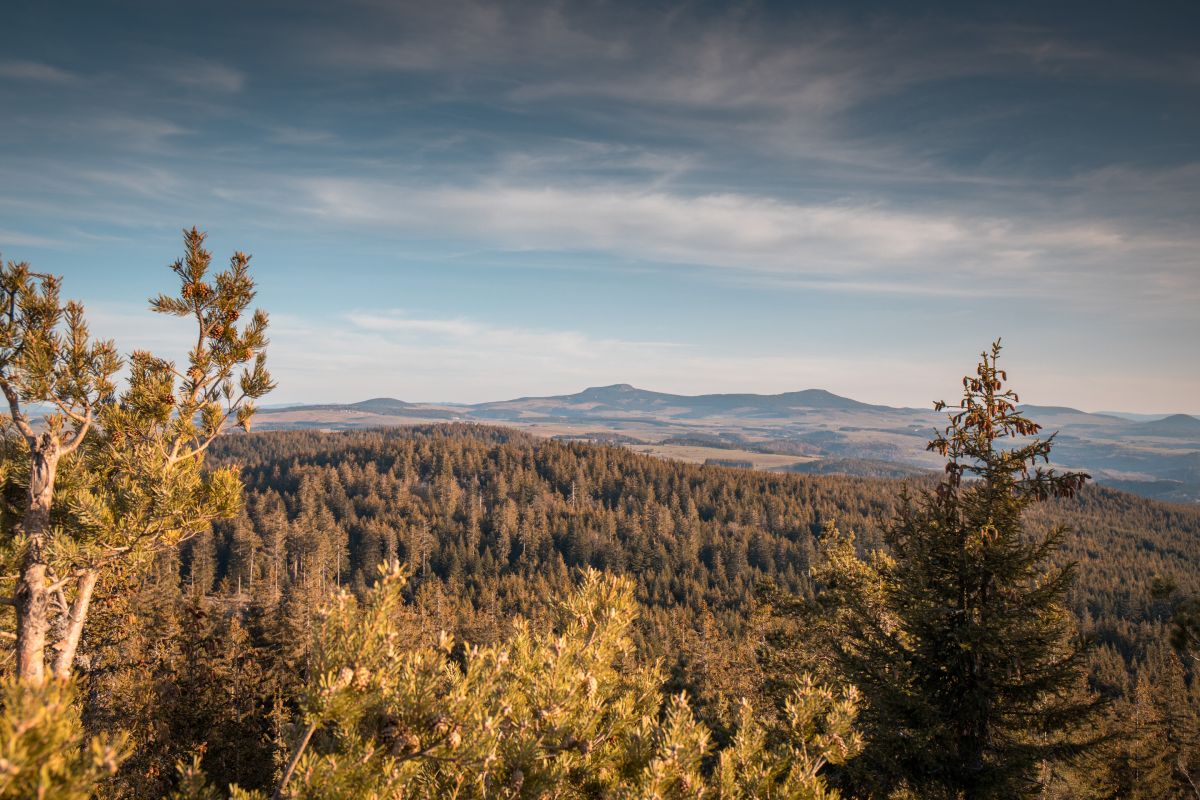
{"points": [[989, 437]]}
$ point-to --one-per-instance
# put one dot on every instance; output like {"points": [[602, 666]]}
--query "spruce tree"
{"points": [[957, 635], [1185, 616]]}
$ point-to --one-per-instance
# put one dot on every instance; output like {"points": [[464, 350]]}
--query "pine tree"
{"points": [[957, 635], [566, 709], [113, 478], [40, 752], [105, 481]]}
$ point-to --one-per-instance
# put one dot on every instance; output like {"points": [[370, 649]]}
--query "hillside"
{"points": [[1180, 425], [490, 510]]}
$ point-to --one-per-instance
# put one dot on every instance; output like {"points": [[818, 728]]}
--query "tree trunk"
{"points": [[31, 597], [75, 619]]}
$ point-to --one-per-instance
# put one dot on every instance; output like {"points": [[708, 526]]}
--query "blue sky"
{"points": [[470, 201]]}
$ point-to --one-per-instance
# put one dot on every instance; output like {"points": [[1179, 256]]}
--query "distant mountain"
{"points": [[1065, 415], [822, 431], [623, 399], [1176, 425], [1132, 417], [382, 405]]}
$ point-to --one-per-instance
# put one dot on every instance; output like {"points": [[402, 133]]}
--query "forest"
{"points": [[199, 611], [495, 523]]}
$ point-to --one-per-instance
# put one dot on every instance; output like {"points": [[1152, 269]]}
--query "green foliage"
{"points": [[518, 717], [562, 710], [143, 486], [958, 635], [195, 785], [43, 754], [819, 731], [46, 351], [1185, 627], [1185, 616]]}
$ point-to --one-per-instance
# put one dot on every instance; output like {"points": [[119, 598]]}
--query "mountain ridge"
{"points": [[1174, 425], [806, 398], [790, 431]]}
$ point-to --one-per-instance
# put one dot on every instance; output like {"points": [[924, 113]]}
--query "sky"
{"points": [[469, 201]]}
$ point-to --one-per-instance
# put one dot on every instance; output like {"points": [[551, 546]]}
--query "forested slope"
{"points": [[505, 516]]}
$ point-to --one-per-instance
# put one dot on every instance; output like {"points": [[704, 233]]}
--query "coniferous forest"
{"points": [[198, 611]]}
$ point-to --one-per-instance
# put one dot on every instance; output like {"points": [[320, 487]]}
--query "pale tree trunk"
{"points": [[31, 596], [74, 627]]}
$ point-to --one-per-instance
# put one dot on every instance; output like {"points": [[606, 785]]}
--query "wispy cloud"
{"points": [[137, 131], [9, 239], [143, 181], [1055, 53], [868, 247], [395, 322], [291, 135], [462, 34], [207, 76], [35, 71]]}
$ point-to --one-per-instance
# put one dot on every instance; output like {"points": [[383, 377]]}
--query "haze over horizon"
{"points": [[470, 202]]}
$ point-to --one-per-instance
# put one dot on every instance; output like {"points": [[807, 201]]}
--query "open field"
{"points": [[698, 455]]}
